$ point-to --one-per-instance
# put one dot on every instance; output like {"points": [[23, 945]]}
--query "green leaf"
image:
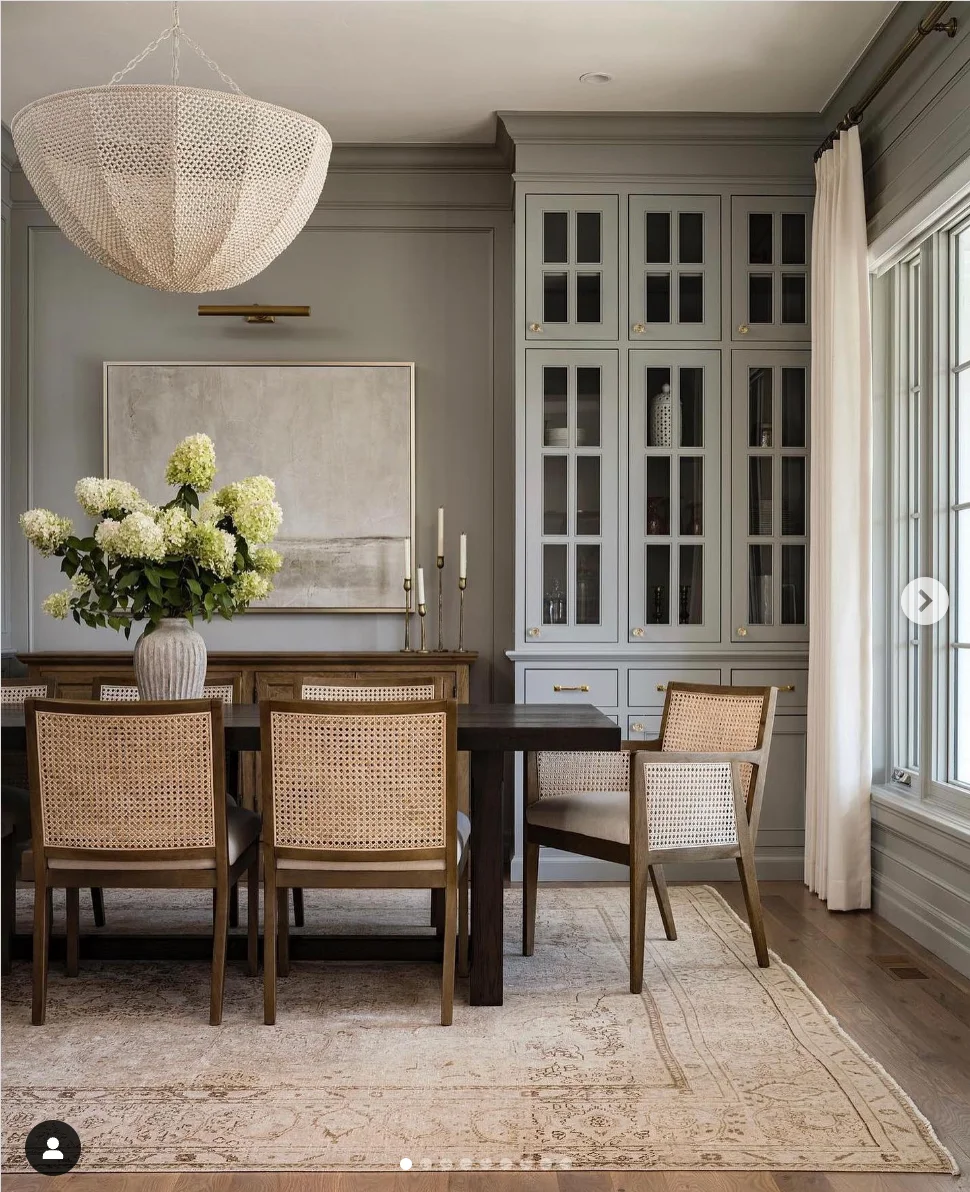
{"points": [[155, 595], [152, 576], [194, 586]]}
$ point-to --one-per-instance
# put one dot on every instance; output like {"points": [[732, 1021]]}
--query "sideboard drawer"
{"points": [[792, 685], [574, 686], [642, 728], [648, 688]]}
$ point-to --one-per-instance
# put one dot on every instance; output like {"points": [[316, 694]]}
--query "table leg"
{"points": [[485, 977]]}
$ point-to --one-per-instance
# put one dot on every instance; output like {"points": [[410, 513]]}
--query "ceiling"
{"points": [[438, 70]]}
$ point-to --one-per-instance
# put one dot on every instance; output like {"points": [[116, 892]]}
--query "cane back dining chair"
{"points": [[132, 796], [16, 805], [364, 796], [694, 794], [367, 689]]}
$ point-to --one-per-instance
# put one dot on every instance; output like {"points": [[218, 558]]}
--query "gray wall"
{"points": [[408, 257], [915, 132]]}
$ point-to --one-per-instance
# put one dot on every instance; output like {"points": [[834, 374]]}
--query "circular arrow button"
{"points": [[924, 601]]}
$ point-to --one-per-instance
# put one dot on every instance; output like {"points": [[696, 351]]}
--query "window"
{"points": [[927, 360]]}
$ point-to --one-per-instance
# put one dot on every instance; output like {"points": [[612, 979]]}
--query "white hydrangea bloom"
{"points": [[249, 586], [265, 560], [45, 530], [257, 521], [96, 495], [176, 526], [243, 492], [210, 511], [80, 583], [136, 536], [193, 462], [56, 605], [213, 548]]}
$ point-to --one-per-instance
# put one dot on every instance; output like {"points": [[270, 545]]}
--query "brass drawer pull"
{"points": [[637, 728], [535, 327], [787, 687], [562, 687], [661, 686], [638, 632], [742, 632], [533, 633], [638, 329], [743, 329]]}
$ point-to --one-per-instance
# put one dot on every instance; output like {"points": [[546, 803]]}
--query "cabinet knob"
{"points": [[533, 633], [787, 687], [535, 327], [636, 728], [638, 632], [639, 329], [743, 329], [742, 632], [578, 687], [661, 686]]}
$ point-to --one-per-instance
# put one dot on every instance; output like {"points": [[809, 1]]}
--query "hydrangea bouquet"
{"points": [[145, 562]]}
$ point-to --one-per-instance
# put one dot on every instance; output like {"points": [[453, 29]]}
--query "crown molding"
{"points": [[456, 158], [646, 128]]}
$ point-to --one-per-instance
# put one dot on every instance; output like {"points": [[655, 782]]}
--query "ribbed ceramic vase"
{"points": [[170, 663]]}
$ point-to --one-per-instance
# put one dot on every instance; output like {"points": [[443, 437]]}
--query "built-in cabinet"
{"points": [[664, 460]]}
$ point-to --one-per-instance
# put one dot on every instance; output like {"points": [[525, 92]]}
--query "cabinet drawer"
{"points": [[648, 688], [792, 685], [574, 686], [642, 728]]}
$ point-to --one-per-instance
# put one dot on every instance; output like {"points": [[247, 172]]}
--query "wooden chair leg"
{"points": [[73, 895], [252, 918], [220, 939], [284, 932], [97, 905], [448, 956], [752, 902], [234, 905], [464, 881], [297, 907], [41, 946], [270, 903], [530, 889], [638, 924], [659, 883]]}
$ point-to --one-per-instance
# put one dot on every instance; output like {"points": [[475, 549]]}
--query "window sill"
{"points": [[940, 818]]}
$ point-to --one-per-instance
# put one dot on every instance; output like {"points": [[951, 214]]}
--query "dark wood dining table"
{"points": [[487, 732]]}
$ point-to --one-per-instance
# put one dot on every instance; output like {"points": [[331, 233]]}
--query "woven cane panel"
{"points": [[377, 695], [126, 782], [178, 188], [712, 722], [580, 773], [17, 694], [689, 805], [359, 782], [117, 693]]}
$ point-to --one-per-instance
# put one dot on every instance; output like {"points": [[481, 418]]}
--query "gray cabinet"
{"points": [[675, 267], [571, 495], [769, 459], [571, 267], [674, 495], [771, 255]]}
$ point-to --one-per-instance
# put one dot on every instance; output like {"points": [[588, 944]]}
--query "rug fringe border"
{"points": [[921, 1119]]}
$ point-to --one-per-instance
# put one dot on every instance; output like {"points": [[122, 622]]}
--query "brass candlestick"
{"points": [[422, 613], [441, 571], [462, 584], [407, 615]]}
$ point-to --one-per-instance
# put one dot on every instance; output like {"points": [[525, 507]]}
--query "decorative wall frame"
{"points": [[338, 439]]}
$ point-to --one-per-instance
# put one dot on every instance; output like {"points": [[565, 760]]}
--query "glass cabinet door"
{"points": [[675, 495], [771, 268], [571, 267], [571, 495], [770, 419], [675, 267]]}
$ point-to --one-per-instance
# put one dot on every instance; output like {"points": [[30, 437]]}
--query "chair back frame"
{"points": [[101, 681], [31, 685], [382, 680]]}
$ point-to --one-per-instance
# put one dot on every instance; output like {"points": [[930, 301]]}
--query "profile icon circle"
{"points": [[52, 1148]]}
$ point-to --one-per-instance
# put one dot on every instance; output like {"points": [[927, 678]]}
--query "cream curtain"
{"points": [[837, 865]]}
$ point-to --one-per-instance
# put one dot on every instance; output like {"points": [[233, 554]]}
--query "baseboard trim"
{"points": [[941, 934], [560, 867]]}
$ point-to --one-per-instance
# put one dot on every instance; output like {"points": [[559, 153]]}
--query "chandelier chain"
{"points": [[178, 35]]}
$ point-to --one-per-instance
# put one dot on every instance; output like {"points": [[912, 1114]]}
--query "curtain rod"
{"points": [[931, 23]]}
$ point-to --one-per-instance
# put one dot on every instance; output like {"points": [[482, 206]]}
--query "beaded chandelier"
{"points": [[178, 188]]}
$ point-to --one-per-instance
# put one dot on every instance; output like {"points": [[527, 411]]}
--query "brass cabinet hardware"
{"points": [[787, 687], [638, 329], [638, 632], [637, 728], [533, 633], [743, 329], [562, 687], [256, 313], [661, 686], [533, 327], [742, 632]]}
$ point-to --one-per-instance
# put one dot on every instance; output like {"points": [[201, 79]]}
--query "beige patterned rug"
{"points": [[718, 1065]]}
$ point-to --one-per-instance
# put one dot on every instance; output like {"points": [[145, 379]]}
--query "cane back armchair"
{"points": [[132, 796], [694, 794], [358, 795]]}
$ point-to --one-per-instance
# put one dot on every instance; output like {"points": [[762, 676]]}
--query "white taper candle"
{"points": [[407, 558], [421, 599], [441, 531], [463, 557]]}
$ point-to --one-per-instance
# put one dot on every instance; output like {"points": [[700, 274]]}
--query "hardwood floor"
{"points": [[918, 1029]]}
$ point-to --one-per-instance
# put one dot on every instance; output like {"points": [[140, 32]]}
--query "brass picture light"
{"points": [[256, 313]]}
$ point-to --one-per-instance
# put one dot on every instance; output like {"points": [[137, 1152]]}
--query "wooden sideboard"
{"points": [[273, 675]]}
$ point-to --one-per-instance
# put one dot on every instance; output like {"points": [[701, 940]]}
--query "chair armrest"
{"points": [[670, 757]]}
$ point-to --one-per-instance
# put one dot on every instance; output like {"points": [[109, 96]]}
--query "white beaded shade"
{"points": [[178, 188]]}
